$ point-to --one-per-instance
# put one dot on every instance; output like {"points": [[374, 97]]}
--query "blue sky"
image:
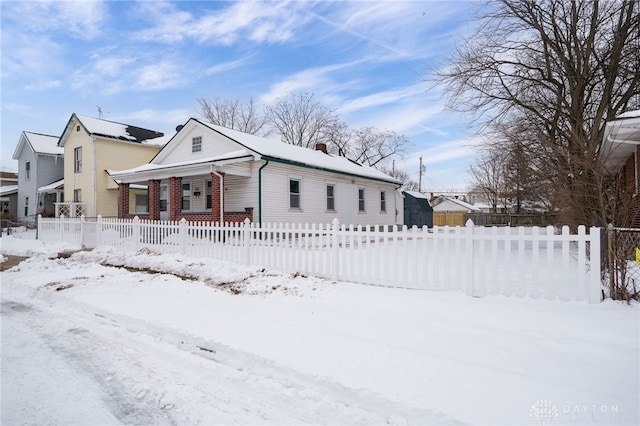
{"points": [[146, 63]]}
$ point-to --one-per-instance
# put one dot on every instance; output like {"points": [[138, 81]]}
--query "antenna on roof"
{"points": [[100, 112]]}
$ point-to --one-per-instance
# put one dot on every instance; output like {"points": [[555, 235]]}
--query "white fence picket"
{"points": [[500, 260]]}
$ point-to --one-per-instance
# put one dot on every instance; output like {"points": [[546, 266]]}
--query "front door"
{"points": [[164, 202]]}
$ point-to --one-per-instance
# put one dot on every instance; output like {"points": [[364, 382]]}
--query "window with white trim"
{"points": [[164, 197], [77, 160], [186, 196], [208, 195], [26, 206], [331, 200], [294, 193], [196, 144], [361, 204], [383, 201], [77, 195], [27, 170]]}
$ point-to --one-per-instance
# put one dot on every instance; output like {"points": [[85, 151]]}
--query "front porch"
{"points": [[199, 198]]}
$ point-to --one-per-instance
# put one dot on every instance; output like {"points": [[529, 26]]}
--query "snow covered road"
{"points": [[209, 342], [64, 364]]}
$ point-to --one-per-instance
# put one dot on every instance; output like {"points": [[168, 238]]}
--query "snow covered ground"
{"points": [[206, 342]]}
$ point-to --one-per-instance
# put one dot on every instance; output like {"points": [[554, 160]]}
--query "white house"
{"points": [[207, 169], [40, 163]]}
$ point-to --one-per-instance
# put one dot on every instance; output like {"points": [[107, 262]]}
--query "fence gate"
{"points": [[623, 247]]}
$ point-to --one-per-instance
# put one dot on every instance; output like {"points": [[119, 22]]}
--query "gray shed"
{"points": [[417, 209]]}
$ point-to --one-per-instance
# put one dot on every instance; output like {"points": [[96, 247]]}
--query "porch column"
{"points": [[217, 197], [154, 199], [175, 197], [123, 200]]}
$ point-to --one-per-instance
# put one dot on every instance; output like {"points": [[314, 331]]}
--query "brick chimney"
{"points": [[321, 147]]}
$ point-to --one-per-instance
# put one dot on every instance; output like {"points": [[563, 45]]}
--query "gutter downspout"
{"points": [[260, 191], [214, 172]]}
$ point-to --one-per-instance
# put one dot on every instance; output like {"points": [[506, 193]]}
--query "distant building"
{"points": [[8, 195]]}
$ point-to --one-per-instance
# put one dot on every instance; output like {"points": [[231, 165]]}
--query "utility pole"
{"points": [[420, 180], [99, 112]]}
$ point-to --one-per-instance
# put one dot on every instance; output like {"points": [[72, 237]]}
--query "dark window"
{"points": [[26, 206], [77, 160], [383, 201], [331, 204], [208, 193], [361, 199], [28, 170], [294, 193]]}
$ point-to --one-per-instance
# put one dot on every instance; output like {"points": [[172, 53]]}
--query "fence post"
{"points": [[82, 230], [37, 228], [183, 235], [61, 227], [611, 257], [247, 240], [595, 253], [335, 253], [99, 231], [470, 285], [136, 233]]}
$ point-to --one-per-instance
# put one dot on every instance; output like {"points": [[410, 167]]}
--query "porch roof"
{"points": [[52, 187], [183, 168]]}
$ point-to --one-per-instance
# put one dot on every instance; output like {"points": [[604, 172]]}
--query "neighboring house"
{"points": [[447, 204], [417, 209], [91, 147], [207, 169], [8, 195], [40, 163], [620, 155]]}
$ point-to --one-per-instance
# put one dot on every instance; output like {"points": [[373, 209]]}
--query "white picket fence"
{"points": [[532, 261]]}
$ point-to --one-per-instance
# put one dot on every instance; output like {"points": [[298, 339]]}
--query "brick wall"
{"points": [[630, 187], [175, 197], [154, 199], [123, 199], [215, 196]]}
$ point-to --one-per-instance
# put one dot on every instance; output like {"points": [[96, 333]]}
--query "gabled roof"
{"points": [[274, 150], [621, 137], [39, 143], [416, 194], [461, 203], [8, 190], [252, 147], [113, 130]]}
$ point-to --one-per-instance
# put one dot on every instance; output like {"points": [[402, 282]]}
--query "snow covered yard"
{"points": [[210, 342]]}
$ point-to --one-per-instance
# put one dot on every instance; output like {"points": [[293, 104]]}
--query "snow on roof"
{"points": [[52, 186], [8, 189], [114, 130], [304, 156], [416, 194], [44, 144], [460, 203], [151, 166]]}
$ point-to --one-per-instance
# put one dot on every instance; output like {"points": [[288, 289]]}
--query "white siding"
{"points": [[27, 187], [179, 150], [275, 197]]}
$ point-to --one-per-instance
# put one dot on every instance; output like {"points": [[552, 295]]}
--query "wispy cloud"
{"points": [[44, 85], [260, 22], [164, 75], [226, 66], [81, 19]]}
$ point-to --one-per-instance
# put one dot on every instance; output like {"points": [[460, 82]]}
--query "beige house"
{"points": [[91, 147]]}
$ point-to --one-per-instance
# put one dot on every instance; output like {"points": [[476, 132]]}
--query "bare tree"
{"points": [[489, 175], [234, 114], [408, 184], [565, 67], [302, 120], [372, 146]]}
